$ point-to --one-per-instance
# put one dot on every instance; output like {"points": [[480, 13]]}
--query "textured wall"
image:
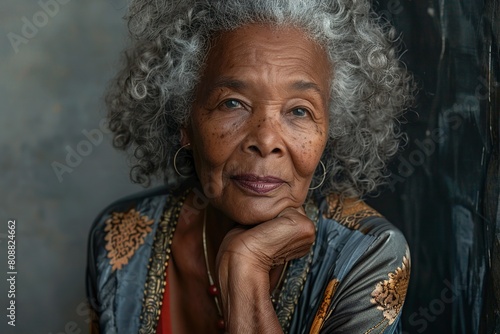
{"points": [[444, 189], [55, 62], [51, 86]]}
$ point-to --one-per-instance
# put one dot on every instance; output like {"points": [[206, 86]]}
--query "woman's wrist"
{"points": [[241, 255], [239, 275], [246, 299]]}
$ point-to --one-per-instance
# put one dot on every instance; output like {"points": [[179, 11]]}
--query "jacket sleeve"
{"points": [[91, 272], [370, 297], [119, 246]]}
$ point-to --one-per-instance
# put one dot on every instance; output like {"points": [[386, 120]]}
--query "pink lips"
{"points": [[258, 184]]}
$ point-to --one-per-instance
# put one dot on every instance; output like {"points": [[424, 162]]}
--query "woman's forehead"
{"points": [[258, 40], [258, 52]]}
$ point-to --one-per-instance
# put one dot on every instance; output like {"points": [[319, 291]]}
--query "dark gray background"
{"points": [[50, 91], [445, 200]]}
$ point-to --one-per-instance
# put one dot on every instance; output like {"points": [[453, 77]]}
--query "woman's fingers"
{"points": [[288, 236], [244, 262]]}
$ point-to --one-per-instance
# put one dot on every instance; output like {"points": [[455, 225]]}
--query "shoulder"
{"points": [[119, 248], [141, 201], [351, 213], [355, 216], [369, 266], [125, 223], [361, 232], [134, 211], [120, 230], [130, 202]]}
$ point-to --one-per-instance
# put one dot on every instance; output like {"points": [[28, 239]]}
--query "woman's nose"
{"points": [[264, 136]]}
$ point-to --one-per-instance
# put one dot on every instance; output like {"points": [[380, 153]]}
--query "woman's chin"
{"points": [[253, 218], [248, 207], [251, 212]]}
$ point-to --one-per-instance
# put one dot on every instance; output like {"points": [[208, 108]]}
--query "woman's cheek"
{"points": [[307, 160]]}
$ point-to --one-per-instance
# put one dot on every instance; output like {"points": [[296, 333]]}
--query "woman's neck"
{"points": [[195, 210]]}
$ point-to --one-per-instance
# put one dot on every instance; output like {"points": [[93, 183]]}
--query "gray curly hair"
{"points": [[150, 99]]}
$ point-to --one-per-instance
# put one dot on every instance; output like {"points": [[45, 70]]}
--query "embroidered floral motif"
{"points": [[348, 211], [322, 312], [390, 294], [125, 234]]}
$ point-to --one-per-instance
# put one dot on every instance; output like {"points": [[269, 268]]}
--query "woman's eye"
{"points": [[232, 104], [299, 112]]}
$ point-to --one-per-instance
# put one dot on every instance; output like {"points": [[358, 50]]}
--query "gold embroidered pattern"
{"points": [[322, 312], [157, 269], [348, 211], [125, 234], [389, 295]]}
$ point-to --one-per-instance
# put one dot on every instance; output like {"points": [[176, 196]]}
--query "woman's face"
{"points": [[259, 122]]}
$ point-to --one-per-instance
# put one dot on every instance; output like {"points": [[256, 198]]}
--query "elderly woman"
{"points": [[268, 121]]}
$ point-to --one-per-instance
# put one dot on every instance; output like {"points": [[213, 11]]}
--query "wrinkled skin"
{"points": [[258, 128]]}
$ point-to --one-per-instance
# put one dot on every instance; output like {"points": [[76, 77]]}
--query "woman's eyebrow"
{"points": [[223, 82], [229, 83], [306, 85]]}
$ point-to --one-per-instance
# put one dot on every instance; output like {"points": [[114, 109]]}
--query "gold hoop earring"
{"points": [[175, 158], [324, 176]]}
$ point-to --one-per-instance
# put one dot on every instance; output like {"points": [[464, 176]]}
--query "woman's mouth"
{"points": [[257, 184]]}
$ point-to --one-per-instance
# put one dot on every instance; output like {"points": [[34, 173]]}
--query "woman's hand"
{"points": [[245, 260]]}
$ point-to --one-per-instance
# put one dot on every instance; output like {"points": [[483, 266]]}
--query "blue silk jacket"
{"points": [[354, 280]]}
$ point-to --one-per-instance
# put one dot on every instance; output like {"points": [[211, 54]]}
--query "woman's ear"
{"points": [[185, 138]]}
